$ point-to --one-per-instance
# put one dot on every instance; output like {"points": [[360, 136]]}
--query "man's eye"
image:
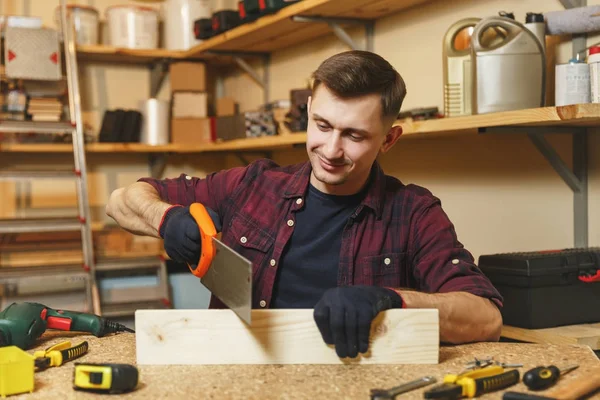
{"points": [[356, 138], [322, 127]]}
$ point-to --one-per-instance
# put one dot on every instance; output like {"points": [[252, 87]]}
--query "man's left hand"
{"points": [[344, 316]]}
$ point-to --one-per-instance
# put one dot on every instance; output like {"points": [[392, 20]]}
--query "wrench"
{"points": [[390, 394]]}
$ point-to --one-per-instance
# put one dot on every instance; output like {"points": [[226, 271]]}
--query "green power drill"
{"points": [[22, 323]]}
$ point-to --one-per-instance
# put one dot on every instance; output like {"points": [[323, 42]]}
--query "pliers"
{"points": [[59, 354], [474, 383]]}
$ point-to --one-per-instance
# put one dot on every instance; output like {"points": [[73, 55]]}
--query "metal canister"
{"points": [[594, 63], [572, 85]]}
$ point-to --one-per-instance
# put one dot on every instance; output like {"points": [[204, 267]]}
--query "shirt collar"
{"points": [[374, 197]]}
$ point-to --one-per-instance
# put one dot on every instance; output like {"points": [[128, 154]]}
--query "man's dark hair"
{"points": [[357, 73]]}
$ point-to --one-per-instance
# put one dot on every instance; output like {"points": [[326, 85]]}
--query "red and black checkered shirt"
{"points": [[399, 236]]}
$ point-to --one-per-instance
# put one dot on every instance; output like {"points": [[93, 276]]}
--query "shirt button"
{"points": [[189, 178], [299, 201], [273, 262], [455, 261], [263, 303], [290, 222], [387, 261], [243, 239]]}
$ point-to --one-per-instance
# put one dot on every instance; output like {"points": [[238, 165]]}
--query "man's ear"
{"points": [[390, 139], [308, 103]]}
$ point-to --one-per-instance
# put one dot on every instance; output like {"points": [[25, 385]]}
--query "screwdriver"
{"points": [[541, 378]]}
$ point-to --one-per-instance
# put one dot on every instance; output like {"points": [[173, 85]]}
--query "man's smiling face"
{"points": [[344, 138]]}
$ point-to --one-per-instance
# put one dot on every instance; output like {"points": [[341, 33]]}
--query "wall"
{"points": [[499, 191], [501, 194]]}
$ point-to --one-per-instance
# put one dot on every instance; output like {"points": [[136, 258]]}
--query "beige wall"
{"points": [[499, 191]]}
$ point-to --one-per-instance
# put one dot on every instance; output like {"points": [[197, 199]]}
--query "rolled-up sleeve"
{"points": [[441, 264]]}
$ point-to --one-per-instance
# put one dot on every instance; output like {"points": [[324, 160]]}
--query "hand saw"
{"points": [[226, 273]]}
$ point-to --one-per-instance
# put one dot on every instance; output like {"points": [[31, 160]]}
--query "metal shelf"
{"points": [[24, 175], [129, 309], [22, 225], [8, 126], [128, 264]]}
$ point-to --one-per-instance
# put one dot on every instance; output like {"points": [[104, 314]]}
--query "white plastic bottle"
{"points": [[535, 23], [594, 64]]}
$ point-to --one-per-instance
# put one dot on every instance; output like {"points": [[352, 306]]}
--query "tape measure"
{"points": [[105, 378]]}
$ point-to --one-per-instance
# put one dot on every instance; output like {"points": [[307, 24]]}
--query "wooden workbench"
{"points": [[289, 381]]}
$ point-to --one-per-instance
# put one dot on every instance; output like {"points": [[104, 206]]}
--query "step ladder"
{"points": [[79, 173]]}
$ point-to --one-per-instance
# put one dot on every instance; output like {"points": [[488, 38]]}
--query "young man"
{"points": [[334, 234]]}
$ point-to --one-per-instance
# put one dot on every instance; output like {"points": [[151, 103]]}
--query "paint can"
{"points": [[572, 83], [179, 17], [85, 23], [594, 63], [132, 27]]}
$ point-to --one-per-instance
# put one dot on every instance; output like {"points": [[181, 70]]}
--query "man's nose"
{"points": [[333, 147]]}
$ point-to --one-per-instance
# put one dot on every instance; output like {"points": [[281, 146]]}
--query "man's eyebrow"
{"points": [[361, 131]]}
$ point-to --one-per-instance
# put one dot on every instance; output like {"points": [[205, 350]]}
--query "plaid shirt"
{"points": [[399, 236]]}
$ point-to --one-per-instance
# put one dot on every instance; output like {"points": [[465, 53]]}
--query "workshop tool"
{"points": [[22, 323], [524, 396], [58, 354], [105, 378], [226, 273], [576, 388], [382, 394], [541, 378], [484, 362], [16, 371], [474, 383]]}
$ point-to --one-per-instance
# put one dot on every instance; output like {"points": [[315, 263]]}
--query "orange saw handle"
{"points": [[207, 232]]}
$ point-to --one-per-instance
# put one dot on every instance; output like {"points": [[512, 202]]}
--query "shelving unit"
{"points": [[578, 116]]}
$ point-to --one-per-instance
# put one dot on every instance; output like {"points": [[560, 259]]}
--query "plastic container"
{"points": [[456, 55], [509, 67], [16, 371], [179, 17], [132, 27], [545, 289], [85, 23], [594, 65]]}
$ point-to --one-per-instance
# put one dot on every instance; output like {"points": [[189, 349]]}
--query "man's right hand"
{"points": [[181, 235]]}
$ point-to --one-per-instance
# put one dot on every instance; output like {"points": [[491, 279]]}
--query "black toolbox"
{"points": [[544, 289]]}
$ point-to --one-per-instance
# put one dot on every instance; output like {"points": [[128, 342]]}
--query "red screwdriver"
{"points": [[541, 378]]}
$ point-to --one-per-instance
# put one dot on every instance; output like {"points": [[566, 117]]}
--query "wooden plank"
{"points": [[252, 36], [585, 334], [572, 115], [102, 53], [277, 337], [380, 8]]}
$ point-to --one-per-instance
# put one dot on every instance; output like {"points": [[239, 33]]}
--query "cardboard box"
{"points": [[188, 77], [189, 105], [230, 127], [227, 106], [191, 131]]}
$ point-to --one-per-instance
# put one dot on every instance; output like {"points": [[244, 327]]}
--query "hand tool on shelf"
{"points": [[541, 378], [226, 273], [382, 394], [22, 323], [58, 354], [474, 383], [105, 378]]}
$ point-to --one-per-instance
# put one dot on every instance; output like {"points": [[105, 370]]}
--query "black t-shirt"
{"points": [[309, 264]]}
